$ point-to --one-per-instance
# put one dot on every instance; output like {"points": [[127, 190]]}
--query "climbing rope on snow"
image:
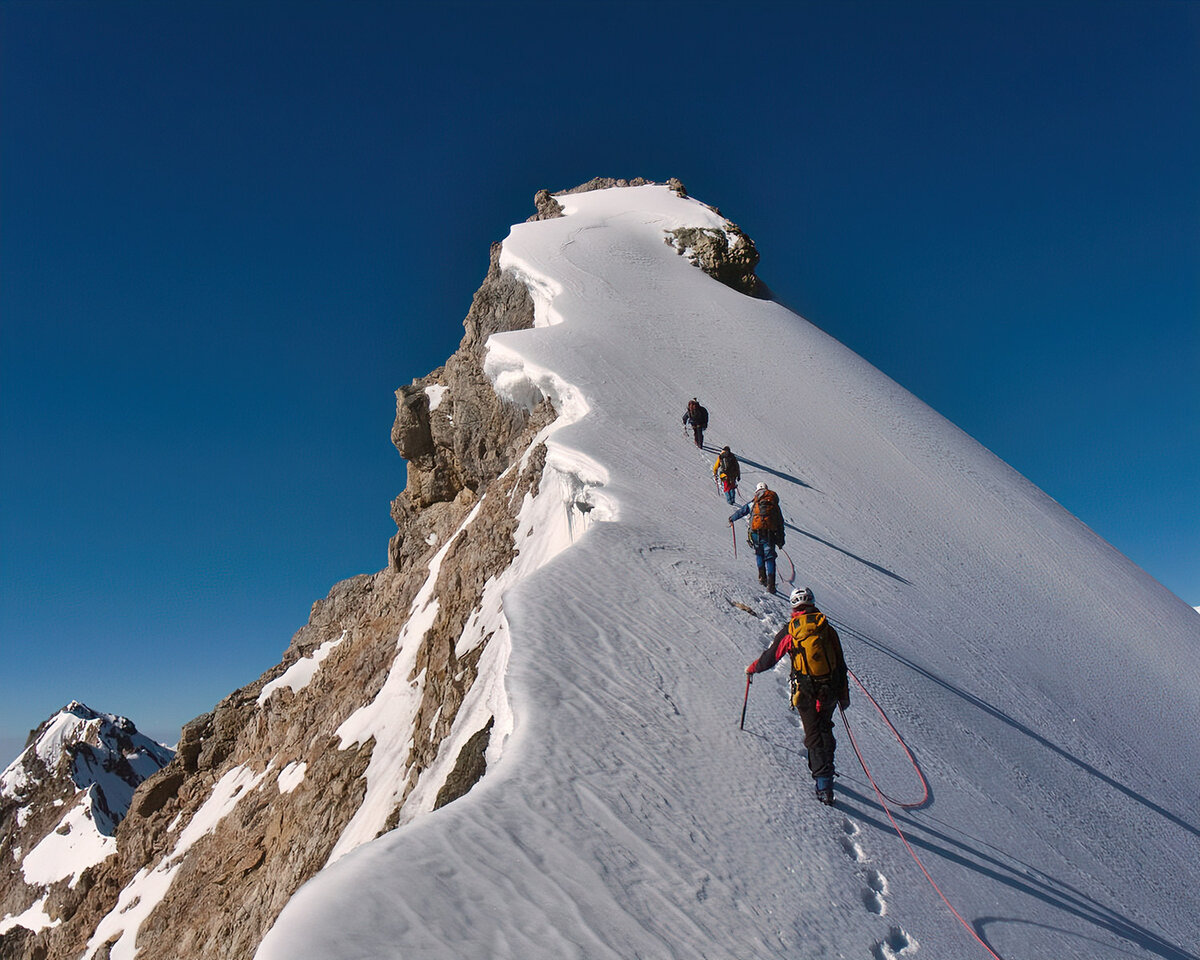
{"points": [[907, 752], [883, 800], [790, 578]]}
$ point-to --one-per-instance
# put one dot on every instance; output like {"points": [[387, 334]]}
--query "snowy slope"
{"points": [[1046, 685]]}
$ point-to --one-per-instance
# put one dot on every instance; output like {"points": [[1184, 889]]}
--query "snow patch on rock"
{"points": [[150, 885], [299, 675]]}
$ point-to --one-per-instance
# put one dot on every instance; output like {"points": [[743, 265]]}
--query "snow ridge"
{"points": [[628, 815]]}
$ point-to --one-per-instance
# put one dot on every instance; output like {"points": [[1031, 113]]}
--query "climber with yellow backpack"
{"points": [[766, 531], [727, 472], [818, 683]]}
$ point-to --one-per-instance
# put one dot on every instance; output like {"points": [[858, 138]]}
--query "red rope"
{"points": [[792, 578], [900, 739], [883, 799]]}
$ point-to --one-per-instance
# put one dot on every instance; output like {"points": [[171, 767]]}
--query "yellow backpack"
{"points": [[811, 655]]}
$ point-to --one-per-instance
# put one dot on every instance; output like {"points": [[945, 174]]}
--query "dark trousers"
{"points": [[816, 703], [698, 435]]}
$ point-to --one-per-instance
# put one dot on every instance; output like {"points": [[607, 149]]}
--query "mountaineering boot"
{"points": [[824, 790], [771, 583], [762, 576]]}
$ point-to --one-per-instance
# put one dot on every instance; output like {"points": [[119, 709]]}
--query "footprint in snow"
{"points": [[873, 897], [852, 847], [895, 946]]}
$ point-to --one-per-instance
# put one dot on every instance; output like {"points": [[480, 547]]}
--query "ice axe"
{"points": [[746, 700]]}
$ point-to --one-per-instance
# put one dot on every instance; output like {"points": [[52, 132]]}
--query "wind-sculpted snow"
{"points": [[1046, 685]]}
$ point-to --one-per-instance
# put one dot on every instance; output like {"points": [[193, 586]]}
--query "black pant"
{"points": [[816, 703]]}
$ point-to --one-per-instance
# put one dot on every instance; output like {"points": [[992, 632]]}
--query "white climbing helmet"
{"points": [[801, 596], [759, 486]]}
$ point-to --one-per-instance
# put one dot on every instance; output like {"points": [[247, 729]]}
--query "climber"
{"points": [[766, 531], [728, 471], [818, 683], [697, 417]]}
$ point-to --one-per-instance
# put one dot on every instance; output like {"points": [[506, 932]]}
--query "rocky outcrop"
{"points": [[276, 740], [726, 255], [264, 786]]}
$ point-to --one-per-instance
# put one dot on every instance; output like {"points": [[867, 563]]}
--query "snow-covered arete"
{"points": [[1047, 686]]}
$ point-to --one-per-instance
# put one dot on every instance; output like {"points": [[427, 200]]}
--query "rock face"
{"points": [[285, 772], [726, 255]]}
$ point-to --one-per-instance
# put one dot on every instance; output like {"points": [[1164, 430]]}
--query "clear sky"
{"points": [[229, 231]]}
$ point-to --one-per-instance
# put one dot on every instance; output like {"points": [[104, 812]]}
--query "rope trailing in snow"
{"points": [[911, 759], [883, 799], [791, 578]]}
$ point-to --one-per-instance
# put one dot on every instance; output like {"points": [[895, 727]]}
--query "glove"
{"points": [[731, 519], [844, 701], [750, 669]]}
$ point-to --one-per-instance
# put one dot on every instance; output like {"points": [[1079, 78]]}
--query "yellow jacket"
{"points": [[735, 472]]}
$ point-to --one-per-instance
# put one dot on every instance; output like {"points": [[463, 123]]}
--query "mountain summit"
{"points": [[522, 737], [61, 801]]}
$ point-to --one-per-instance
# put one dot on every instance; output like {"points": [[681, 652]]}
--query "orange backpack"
{"points": [[764, 517]]}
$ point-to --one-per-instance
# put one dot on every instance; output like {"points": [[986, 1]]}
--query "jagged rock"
{"points": [[547, 207], [268, 773], [726, 255], [468, 769]]}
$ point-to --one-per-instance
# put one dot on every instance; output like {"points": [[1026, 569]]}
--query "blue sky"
{"points": [[229, 231]]}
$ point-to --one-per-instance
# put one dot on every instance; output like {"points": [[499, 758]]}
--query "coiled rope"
{"points": [[884, 798], [899, 739]]}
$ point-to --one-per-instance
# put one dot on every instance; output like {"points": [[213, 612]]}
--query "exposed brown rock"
{"points": [[726, 255], [232, 882]]}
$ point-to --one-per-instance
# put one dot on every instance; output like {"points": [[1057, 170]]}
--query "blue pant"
{"points": [[764, 553]]}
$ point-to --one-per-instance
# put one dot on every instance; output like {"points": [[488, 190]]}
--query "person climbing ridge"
{"points": [[818, 683], [729, 472], [697, 417], [766, 531]]}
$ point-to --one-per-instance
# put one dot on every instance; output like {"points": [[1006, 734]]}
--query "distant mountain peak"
{"points": [[62, 799]]}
